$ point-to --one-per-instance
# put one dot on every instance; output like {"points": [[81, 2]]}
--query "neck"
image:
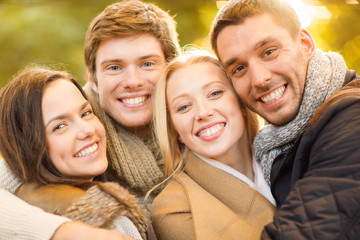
{"points": [[239, 158], [143, 132]]}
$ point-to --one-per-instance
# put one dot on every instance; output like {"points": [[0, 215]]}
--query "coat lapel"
{"points": [[229, 206]]}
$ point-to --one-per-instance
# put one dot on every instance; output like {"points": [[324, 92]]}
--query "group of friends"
{"points": [[178, 133]]}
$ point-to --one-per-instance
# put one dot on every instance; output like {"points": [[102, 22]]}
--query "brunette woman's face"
{"points": [[75, 137]]}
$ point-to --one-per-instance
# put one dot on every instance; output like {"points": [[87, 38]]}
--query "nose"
{"points": [[84, 129], [132, 78], [205, 111], [260, 75]]}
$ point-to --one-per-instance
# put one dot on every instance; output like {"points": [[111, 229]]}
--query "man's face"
{"points": [[127, 71], [266, 65]]}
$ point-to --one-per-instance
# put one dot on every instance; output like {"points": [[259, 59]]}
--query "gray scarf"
{"points": [[325, 75]]}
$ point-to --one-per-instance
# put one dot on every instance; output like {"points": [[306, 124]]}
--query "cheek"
{"points": [[241, 89], [100, 129], [55, 153], [106, 85], [182, 126], [153, 79]]}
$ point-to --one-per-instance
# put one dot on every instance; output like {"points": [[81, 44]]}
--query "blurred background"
{"points": [[51, 32]]}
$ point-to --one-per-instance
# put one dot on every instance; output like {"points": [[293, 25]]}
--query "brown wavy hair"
{"points": [[22, 132], [127, 18]]}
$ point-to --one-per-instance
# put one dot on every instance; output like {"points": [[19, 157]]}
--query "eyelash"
{"points": [[87, 113], [216, 93], [58, 127], [182, 108]]}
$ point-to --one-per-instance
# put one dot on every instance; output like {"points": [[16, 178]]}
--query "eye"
{"points": [[238, 69], [183, 108], [148, 64], [113, 68], [269, 52], [58, 127], [87, 113], [216, 93]]}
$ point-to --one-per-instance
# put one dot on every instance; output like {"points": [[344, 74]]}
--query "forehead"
{"points": [[240, 38], [195, 76], [129, 47], [60, 96]]}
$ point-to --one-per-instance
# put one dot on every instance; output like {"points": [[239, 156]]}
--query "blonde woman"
{"points": [[216, 190]]}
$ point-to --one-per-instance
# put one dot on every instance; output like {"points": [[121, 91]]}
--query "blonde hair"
{"points": [[171, 149]]}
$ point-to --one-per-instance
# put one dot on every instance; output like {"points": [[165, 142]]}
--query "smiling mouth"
{"points": [[273, 96], [211, 131], [135, 100], [87, 151]]}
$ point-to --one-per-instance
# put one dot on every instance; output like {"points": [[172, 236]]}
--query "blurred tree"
{"points": [[51, 32], [341, 33]]}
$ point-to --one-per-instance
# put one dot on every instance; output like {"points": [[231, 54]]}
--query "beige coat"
{"points": [[203, 202]]}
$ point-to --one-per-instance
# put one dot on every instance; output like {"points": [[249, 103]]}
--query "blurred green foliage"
{"points": [[51, 32]]}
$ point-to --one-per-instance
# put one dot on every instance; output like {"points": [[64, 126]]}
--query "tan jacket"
{"points": [[203, 202]]}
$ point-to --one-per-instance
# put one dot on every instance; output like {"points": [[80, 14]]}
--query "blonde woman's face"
{"points": [[75, 137], [205, 111]]}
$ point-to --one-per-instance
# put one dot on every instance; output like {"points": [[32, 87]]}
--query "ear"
{"points": [[180, 140], [91, 81], [307, 43]]}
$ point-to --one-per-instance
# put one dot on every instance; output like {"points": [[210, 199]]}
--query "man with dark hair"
{"points": [[309, 151]]}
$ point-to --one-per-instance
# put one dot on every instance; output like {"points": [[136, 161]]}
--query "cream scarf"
{"points": [[134, 163], [326, 74]]}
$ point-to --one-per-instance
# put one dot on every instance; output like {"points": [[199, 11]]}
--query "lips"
{"points": [[87, 151], [274, 95], [135, 100], [207, 132]]}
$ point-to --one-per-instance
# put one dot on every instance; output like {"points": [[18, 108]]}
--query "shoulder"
{"points": [[174, 192]]}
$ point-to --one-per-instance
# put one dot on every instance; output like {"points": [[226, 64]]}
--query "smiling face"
{"points": [[266, 65], [127, 70], [75, 137], [205, 111]]}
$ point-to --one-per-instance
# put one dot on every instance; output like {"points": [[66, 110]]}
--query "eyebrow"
{"points": [[255, 47], [63, 116]]}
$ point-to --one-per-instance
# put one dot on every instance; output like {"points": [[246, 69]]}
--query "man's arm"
{"points": [[8, 180], [77, 230], [20, 220]]}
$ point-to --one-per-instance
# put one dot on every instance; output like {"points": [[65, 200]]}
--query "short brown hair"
{"points": [[22, 131], [126, 18], [236, 11]]}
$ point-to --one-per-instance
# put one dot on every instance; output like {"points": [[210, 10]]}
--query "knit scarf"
{"points": [[135, 163], [326, 74]]}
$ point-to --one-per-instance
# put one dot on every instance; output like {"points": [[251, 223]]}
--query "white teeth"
{"points": [[87, 151], [132, 101], [211, 131], [274, 95]]}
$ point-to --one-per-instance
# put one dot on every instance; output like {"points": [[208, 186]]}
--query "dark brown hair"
{"points": [[22, 133], [236, 11], [127, 18]]}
